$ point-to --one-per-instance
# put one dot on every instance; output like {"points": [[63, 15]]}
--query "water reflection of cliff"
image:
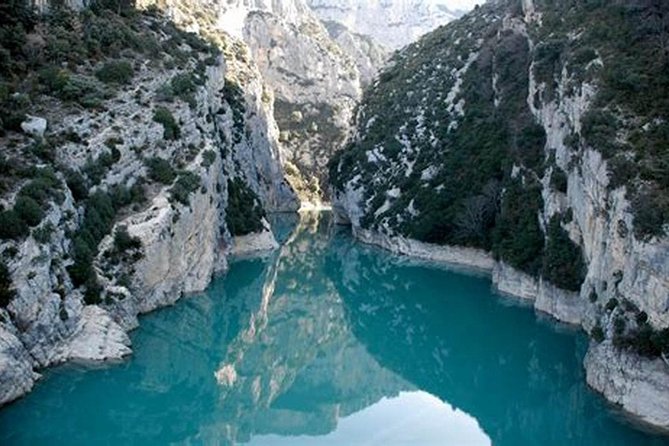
{"points": [[295, 368], [446, 334]]}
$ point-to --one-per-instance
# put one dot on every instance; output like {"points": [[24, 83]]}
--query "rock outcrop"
{"points": [[34, 126], [631, 382]]}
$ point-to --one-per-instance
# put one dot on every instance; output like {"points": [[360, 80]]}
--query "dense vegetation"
{"points": [[244, 213], [101, 209], [7, 293], [632, 331], [160, 170], [31, 203], [562, 261], [448, 151], [164, 117]]}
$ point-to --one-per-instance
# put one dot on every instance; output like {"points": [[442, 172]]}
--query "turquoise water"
{"points": [[331, 342]]}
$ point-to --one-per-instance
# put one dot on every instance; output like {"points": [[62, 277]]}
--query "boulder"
{"points": [[34, 126]]}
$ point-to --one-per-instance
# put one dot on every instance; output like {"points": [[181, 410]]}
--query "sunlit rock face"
{"points": [[313, 82], [392, 23]]}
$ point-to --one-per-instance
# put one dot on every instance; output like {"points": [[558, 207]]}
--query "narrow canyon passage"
{"points": [[489, 266]]}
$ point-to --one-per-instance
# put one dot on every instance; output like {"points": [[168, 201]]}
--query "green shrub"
{"points": [[597, 333], [244, 213], [559, 180], [126, 248], [641, 318], [43, 234], [112, 143], [611, 304], [43, 188], [28, 210], [208, 158], [160, 170], [164, 93], [121, 7], [54, 79], [77, 184], [84, 90], [184, 86], [518, 239], [97, 169], [186, 184], [99, 213], [531, 141], [43, 150], [651, 213], [123, 241], [563, 262], [171, 129], [644, 341], [115, 72], [123, 196], [11, 225], [234, 95], [7, 292]]}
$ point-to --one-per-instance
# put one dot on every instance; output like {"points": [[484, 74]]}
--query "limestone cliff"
{"points": [[521, 132], [316, 84], [394, 23], [158, 148]]}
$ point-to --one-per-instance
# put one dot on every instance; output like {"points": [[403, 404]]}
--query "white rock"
{"points": [[16, 372], [393, 23], [98, 337], [634, 383], [34, 126], [253, 243]]}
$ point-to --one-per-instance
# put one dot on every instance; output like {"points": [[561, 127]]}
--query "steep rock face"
{"points": [[316, 87], [630, 382], [502, 132], [312, 82], [205, 115], [393, 23], [368, 54]]}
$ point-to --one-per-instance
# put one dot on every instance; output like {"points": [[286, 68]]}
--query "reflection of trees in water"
{"points": [[294, 368], [447, 335]]}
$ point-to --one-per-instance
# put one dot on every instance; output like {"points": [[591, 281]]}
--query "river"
{"points": [[330, 342]]}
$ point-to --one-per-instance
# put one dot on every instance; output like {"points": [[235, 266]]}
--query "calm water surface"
{"points": [[331, 342]]}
